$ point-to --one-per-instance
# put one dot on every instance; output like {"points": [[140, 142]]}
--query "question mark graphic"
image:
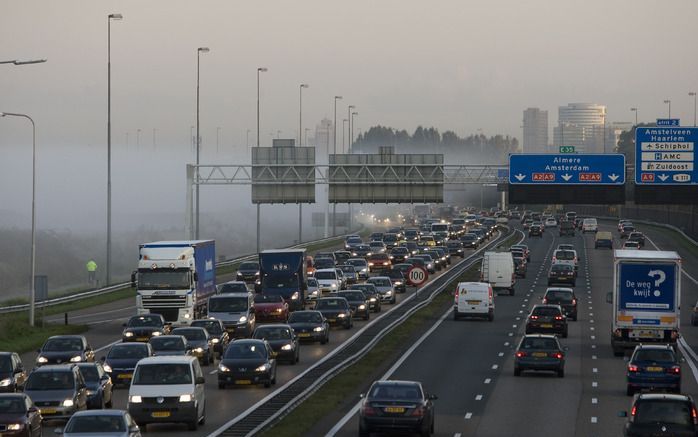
{"points": [[659, 277]]}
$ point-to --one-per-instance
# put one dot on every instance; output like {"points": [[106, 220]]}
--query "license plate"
{"points": [[160, 414], [546, 325], [394, 409], [539, 354], [48, 411], [142, 339], [243, 382], [304, 334], [655, 369], [331, 320], [125, 376], [473, 302]]}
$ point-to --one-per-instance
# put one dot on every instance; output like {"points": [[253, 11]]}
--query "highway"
{"points": [[468, 364]]}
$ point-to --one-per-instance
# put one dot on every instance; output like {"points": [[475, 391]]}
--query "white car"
{"points": [[328, 280], [566, 256], [313, 292], [590, 225], [550, 222]]}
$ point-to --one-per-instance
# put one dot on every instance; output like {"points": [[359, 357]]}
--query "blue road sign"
{"points": [[666, 155], [668, 122], [567, 169], [646, 287]]}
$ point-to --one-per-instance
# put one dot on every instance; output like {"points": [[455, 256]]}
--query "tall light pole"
{"points": [[352, 127], [668, 102], [635, 111], [306, 135], [110, 18], [344, 123], [693, 94], [32, 290], [138, 138], [218, 138], [199, 51], [334, 145], [259, 70], [349, 109], [247, 139], [300, 112], [24, 62]]}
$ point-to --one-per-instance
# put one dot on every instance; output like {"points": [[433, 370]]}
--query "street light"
{"points": [[352, 127], [344, 122], [259, 70], [32, 291], [199, 51], [635, 111], [693, 94], [306, 135], [668, 102], [24, 62], [349, 109], [334, 125], [300, 113], [110, 18]]}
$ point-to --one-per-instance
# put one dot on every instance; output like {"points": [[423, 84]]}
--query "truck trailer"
{"points": [[283, 272]]}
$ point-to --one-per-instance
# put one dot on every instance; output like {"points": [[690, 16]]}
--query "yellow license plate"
{"points": [[161, 414], [125, 376], [539, 354], [243, 382], [546, 325], [48, 411], [394, 409], [304, 334], [655, 369], [142, 339], [474, 302], [331, 320]]}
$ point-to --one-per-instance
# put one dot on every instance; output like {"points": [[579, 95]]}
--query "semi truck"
{"points": [[646, 298], [175, 279], [282, 272]]}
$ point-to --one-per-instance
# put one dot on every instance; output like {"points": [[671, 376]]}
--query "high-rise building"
{"points": [[535, 131], [323, 139], [581, 125]]}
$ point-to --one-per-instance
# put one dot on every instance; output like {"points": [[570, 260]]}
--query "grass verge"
{"points": [[16, 335]]}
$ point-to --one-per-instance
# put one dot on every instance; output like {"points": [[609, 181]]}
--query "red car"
{"points": [[270, 308]]}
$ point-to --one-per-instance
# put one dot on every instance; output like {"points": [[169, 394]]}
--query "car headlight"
{"points": [[187, 316], [295, 296], [135, 399], [41, 360], [389, 292], [263, 368], [185, 398], [279, 310], [286, 347], [90, 392], [214, 340], [14, 426], [76, 359], [199, 350], [223, 368], [362, 307], [68, 403], [333, 285], [341, 315], [243, 319], [398, 282], [318, 329], [107, 368], [156, 333], [373, 299], [5, 382], [314, 293], [128, 334]]}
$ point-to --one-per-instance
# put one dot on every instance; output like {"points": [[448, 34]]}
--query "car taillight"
{"points": [[634, 410], [534, 317], [368, 411], [633, 368], [545, 300], [554, 259], [419, 411], [558, 317], [557, 355], [674, 335], [694, 414], [676, 370], [385, 263], [520, 354], [574, 301]]}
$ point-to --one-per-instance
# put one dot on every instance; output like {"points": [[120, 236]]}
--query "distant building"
{"points": [[581, 125], [323, 138], [535, 131], [613, 131]]}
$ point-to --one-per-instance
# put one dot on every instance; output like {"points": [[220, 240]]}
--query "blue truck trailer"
{"points": [[283, 272]]}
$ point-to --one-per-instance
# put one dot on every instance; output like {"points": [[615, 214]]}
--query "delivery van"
{"points": [[498, 271], [474, 299]]}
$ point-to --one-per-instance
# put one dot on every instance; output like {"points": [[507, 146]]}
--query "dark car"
{"points": [[445, 255], [525, 250], [61, 349], [248, 271], [247, 362], [539, 352], [12, 373], [349, 272], [216, 330], [412, 246], [111, 423], [637, 236], [362, 250], [169, 345], [396, 406], [376, 236], [121, 361], [19, 416], [567, 228], [520, 266], [141, 328], [547, 318], [564, 297], [358, 302], [439, 263], [57, 390], [398, 279], [99, 385], [310, 325], [372, 295], [398, 254], [653, 367], [391, 240], [378, 262], [455, 248], [199, 343], [661, 415], [426, 263], [626, 230], [324, 263], [336, 310], [341, 256], [470, 241], [535, 231], [429, 262], [282, 339], [562, 274]]}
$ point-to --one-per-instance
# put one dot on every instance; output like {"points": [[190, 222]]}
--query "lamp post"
{"points": [[24, 62], [306, 135], [110, 18], [352, 128], [344, 123], [693, 94], [199, 51], [218, 138], [32, 291], [247, 139], [668, 102], [334, 145], [300, 112], [138, 138], [259, 70], [349, 109], [635, 111]]}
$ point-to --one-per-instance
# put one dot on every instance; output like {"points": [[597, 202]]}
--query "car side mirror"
{"points": [[622, 414], [361, 395], [133, 429], [609, 297], [200, 380], [196, 276], [105, 377]]}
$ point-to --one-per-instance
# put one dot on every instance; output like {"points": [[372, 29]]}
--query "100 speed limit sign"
{"points": [[417, 275]]}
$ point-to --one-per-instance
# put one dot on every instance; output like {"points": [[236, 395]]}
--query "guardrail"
{"points": [[124, 285], [279, 403]]}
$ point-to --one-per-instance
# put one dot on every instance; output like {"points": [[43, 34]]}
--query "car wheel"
{"points": [[325, 339], [561, 372], [455, 316], [694, 322], [574, 283], [512, 291], [629, 391], [273, 381], [490, 317], [517, 371]]}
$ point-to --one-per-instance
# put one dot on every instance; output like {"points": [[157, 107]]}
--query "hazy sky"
{"points": [[454, 64]]}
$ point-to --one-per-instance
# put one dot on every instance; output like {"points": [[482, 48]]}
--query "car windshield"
{"points": [[245, 351], [272, 333], [249, 266], [135, 351], [566, 255], [399, 251], [149, 279], [354, 240], [367, 288], [395, 392], [376, 244], [50, 381], [305, 317], [191, 334], [352, 295], [357, 262], [331, 304], [312, 282], [654, 355], [89, 373], [62, 344], [380, 282], [162, 374], [231, 304], [559, 295], [268, 298], [546, 311], [5, 364], [562, 267], [145, 321], [167, 344], [237, 287], [324, 263], [326, 275], [97, 423], [12, 405], [539, 343], [348, 269], [663, 411]]}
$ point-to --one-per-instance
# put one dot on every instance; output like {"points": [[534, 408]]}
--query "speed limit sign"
{"points": [[417, 275]]}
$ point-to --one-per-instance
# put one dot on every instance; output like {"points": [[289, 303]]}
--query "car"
{"points": [[520, 265], [378, 262], [539, 352], [412, 246], [341, 256], [627, 229], [328, 280], [371, 293], [327, 254], [550, 222], [12, 373], [661, 415], [141, 328], [19, 417], [455, 248], [358, 302], [313, 291], [384, 286], [199, 342], [445, 255], [390, 239], [282, 339], [399, 254], [653, 367], [99, 385], [564, 297], [60, 349], [473, 299], [428, 262], [362, 250], [216, 330], [360, 266], [562, 274], [232, 287], [58, 390], [603, 239], [248, 271], [535, 231], [324, 264], [398, 279], [566, 256], [349, 272], [631, 245], [376, 236], [235, 310], [527, 223], [121, 360], [622, 223], [565, 246], [336, 310], [396, 406], [589, 225], [112, 423], [637, 236], [411, 234], [377, 247], [270, 308], [439, 263], [427, 240], [166, 345], [351, 242], [168, 389], [525, 249], [567, 228], [247, 362], [310, 325], [546, 318]]}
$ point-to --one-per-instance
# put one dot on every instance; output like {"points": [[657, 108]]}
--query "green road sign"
{"points": [[566, 149]]}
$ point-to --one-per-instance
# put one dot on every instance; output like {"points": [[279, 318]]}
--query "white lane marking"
{"points": [[595, 370], [594, 400], [593, 357], [105, 321], [213, 372], [593, 337], [687, 351], [591, 320], [468, 416], [594, 419], [100, 349], [501, 354], [591, 328], [593, 346], [594, 384], [488, 380], [478, 397], [506, 343], [591, 314], [511, 334], [495, 366], [513, 326], [458, 434]]}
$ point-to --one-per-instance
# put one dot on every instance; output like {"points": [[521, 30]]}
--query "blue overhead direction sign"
{"points": [[666, 155], [567, 169], [646, 287]]}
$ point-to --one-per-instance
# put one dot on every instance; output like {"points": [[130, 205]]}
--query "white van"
{"points": [[498, 271], [168, 389], [473, 299], [590, 225]]}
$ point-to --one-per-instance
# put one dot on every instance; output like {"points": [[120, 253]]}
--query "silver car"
{"points": [[384, 286], [112, 423], [313, 292]]}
